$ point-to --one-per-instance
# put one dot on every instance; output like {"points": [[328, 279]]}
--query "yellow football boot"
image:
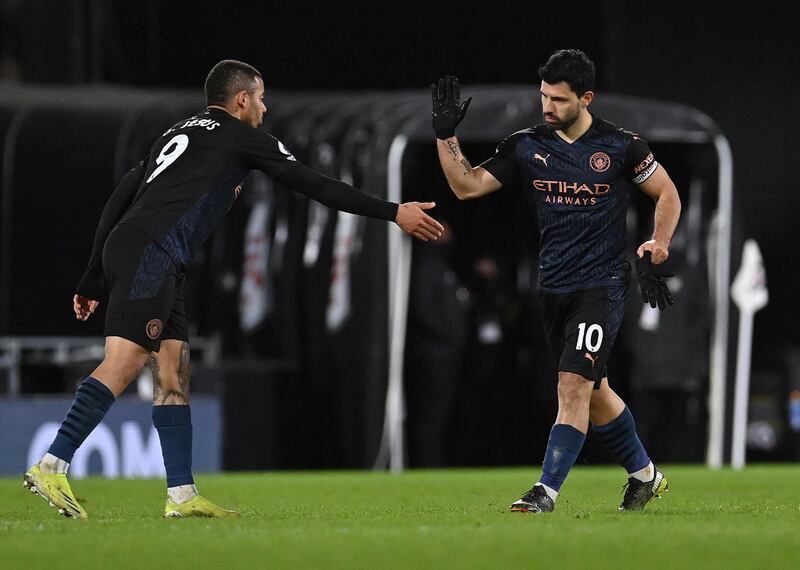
{"points": [[53, 488], [197, 506]]}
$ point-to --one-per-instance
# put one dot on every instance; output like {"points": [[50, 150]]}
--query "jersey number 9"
{"points": [[169, 154]]}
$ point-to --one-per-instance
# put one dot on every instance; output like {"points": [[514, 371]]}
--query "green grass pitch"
{"points": [[420, 519]]}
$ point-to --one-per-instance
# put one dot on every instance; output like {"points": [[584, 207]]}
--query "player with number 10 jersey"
{"points": [[576, 172]]}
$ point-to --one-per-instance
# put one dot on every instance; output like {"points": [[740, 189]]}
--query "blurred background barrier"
{"points": [[294, 306], [125, 444]]}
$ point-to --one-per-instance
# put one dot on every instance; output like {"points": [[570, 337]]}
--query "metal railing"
{"points": [[16, 351]]}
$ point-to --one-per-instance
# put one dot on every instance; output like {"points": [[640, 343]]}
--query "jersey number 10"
{"points": [[169, 154], [593, 336]]}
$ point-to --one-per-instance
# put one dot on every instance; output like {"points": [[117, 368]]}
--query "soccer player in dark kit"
{"points": [[151, 227], [576, 172]]}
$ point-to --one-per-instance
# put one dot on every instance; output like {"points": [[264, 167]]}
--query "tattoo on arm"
{"points": [[455, 150], [467, 166]]}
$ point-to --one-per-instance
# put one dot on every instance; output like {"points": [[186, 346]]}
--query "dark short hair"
{"points": [[228, 78], [570, 66]]}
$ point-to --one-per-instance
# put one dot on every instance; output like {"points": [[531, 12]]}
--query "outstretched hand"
{"points": [[84, 307], [448, 110], [413, 220]]}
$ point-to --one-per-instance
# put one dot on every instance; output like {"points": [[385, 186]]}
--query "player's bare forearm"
{"points": [[465, 181], [667, 212], [457, 164]]}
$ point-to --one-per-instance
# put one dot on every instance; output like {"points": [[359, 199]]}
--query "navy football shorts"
{"points": [[146, 302], [581, 328]]}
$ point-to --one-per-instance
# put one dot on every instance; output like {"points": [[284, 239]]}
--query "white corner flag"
{"points": [[749, 292]]}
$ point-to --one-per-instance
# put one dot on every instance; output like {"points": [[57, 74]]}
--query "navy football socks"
{"points": [[563, 448], [619, 437], [174, 426], [91, 403]]}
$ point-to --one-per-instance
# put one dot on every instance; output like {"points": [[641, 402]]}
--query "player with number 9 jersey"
{"points": [[151, 227], [167, 206]]}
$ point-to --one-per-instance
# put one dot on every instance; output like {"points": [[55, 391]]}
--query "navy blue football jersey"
{"points": [[181, 192], [191, 177], [579, 193]]}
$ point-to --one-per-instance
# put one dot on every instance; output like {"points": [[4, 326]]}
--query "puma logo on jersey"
{"points": [[589, 356], [538, 156]]}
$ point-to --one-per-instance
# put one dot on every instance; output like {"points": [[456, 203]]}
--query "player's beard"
{"points": [[565, 123]]}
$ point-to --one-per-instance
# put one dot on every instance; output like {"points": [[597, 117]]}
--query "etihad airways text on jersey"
{"points": [[573, 191]]}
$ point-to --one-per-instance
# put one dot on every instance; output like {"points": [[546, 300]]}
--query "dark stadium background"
{"points": [[738, 64]]}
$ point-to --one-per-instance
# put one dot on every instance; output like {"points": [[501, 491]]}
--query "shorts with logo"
{"points": [[581, 328], [146, 301]]}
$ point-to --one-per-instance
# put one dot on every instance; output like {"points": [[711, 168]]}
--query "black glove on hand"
{"points": [[448, 110], [654, 288]]}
